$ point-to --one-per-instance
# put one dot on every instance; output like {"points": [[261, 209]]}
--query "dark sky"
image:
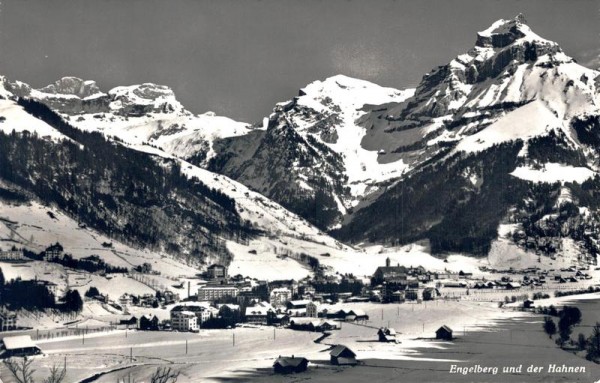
{"points": [[238, 58]]}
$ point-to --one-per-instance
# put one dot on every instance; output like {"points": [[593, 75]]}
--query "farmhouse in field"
{"points": [[444, 333], [20, 345], [342, 355], [289, 364], [387, 335]]}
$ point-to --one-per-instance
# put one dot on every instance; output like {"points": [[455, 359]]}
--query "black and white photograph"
{"points": [[280, 191]]}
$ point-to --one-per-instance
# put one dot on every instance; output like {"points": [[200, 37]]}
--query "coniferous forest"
{"points": [[124, 193]]}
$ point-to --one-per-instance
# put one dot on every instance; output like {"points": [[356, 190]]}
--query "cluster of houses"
{"points": [[339, 355]]}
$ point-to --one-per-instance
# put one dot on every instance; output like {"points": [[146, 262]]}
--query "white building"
{"points": [[312, 309], [214, 292], [184, 321], [280, 296]]}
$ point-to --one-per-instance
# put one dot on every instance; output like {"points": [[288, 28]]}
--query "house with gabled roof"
{"points": [[341, 355], [290, 364]]}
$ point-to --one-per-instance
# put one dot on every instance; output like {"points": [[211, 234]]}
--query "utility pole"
{"points": [[233, 339], [186, 347]]}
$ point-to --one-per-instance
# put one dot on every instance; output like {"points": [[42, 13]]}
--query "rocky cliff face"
{"points": [[310, 158], [515, 103]]}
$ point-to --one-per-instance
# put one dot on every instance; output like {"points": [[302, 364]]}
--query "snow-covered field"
{"points": [[216, 354]]}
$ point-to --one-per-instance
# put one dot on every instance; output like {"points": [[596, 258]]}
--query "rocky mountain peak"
{"points": [[72, 86], [505, 32]]}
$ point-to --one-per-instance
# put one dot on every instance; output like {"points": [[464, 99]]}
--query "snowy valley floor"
{"points": [[486, 335]]}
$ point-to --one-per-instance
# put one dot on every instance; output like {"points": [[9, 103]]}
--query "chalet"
{"points": [[356, 314], [53, 251], [341, 355], [20, 345], [216, 272], [334, 314], [387, 335], [148, 323], [444, 333], [309, 324], [259, 314], [389, 273], [290, 364]]}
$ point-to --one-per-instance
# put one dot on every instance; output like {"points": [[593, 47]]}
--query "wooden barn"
{"points": [[444, 333], [387, 335], [342, 356], [290, 364]]}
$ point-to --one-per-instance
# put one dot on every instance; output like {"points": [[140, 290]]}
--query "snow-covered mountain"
{"points": [[138, 114], [135, 192], [491, 137], [499, 147], [310, 157], [511, 85]]}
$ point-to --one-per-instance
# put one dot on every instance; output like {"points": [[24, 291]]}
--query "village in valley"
{"points": [[352, 318]]}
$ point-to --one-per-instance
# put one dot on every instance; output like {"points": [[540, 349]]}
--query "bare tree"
{"points": [[23, 373], [56, 375], [22, 370], [164, 375]]}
